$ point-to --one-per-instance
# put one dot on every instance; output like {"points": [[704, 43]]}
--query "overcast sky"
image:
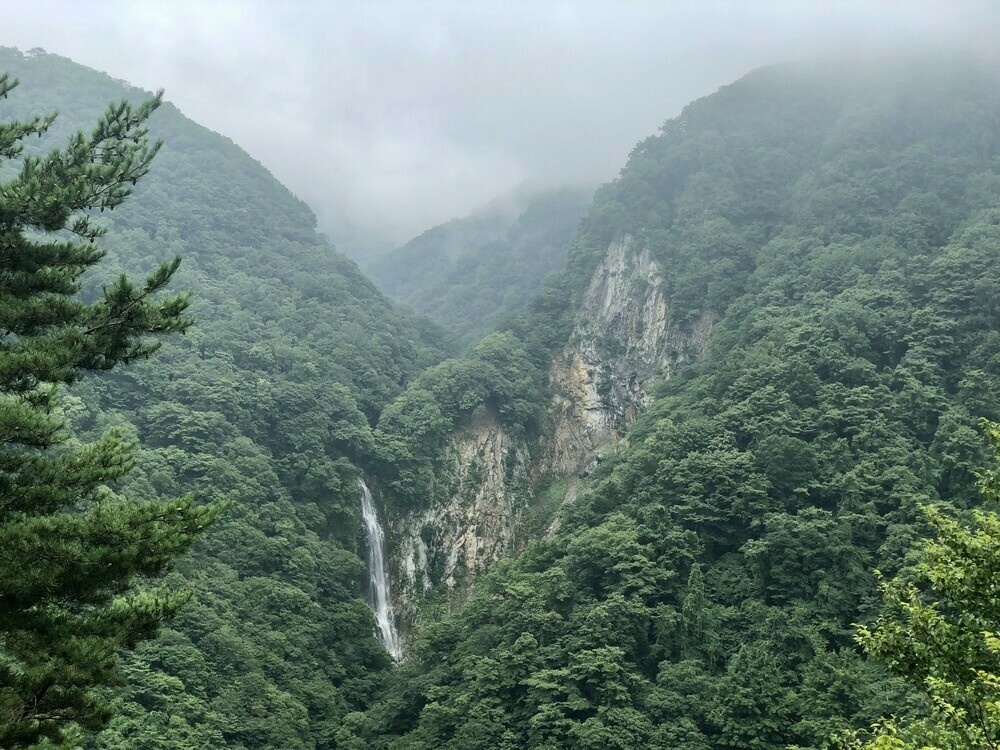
{"points": [[396, 116]]}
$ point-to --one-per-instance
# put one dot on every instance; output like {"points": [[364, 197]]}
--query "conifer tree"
{"points": [[71, 550]]}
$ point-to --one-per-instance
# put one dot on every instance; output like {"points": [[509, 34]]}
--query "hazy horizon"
{"points": [[389, 118]]}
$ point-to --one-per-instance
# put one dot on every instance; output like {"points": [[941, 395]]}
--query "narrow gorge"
{"points": [[495, 488]]}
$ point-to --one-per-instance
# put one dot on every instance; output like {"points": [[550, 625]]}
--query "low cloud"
{"points": [[390, 117]]}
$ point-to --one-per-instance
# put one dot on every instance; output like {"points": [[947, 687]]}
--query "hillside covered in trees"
{"points": [[784, 310], [840, 226], [266, 406], [474, 272]]}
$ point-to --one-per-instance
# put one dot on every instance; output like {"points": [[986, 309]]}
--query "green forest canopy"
{"points": [[72, 551], [265, 405], [843, 227], [471, 273]]}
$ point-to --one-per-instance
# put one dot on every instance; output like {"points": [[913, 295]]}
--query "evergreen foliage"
{"points": [[839, 230], [940, 631], [72, 549]]}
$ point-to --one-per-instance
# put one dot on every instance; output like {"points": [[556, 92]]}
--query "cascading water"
{"points": [[381, 599]]}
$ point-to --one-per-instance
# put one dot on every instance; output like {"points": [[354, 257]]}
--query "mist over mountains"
{"points": [[471, 273], [394, 117]]}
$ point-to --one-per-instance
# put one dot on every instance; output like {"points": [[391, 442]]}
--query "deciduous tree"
{"points": [[941, 631]]}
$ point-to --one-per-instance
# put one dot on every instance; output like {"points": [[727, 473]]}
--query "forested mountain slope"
{"points": [[816, 248], [266, 405], [471, 273]]}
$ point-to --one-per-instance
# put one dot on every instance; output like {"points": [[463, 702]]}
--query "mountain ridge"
{"points": [[266, 405], [469, 274]]}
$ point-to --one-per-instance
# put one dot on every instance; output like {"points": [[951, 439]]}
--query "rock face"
{"points": [[621, 343], [488, 488]]}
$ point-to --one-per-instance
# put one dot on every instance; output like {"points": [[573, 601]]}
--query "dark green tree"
{"points": [[940, 631], [71, 549]]}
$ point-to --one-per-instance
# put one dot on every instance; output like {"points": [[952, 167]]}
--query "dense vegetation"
{"points": [[843, 230], [265, 405], [939, 631], [72, 550], [471, 273], [495, 375]]}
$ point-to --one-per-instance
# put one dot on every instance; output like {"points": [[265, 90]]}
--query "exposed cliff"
{"points": [[841, 224], [621, 342], [486, 485]]}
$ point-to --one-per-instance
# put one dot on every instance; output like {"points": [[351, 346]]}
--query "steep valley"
{"points": [[472, 273], [757, 363]]}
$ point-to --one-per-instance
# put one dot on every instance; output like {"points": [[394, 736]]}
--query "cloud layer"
{"points": [[390, 117]]}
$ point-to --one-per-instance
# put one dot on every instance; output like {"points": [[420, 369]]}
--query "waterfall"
{"points": [[380, 596]]}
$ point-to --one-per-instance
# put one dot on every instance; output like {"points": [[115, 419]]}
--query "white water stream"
{"points": [[381, 598]]}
